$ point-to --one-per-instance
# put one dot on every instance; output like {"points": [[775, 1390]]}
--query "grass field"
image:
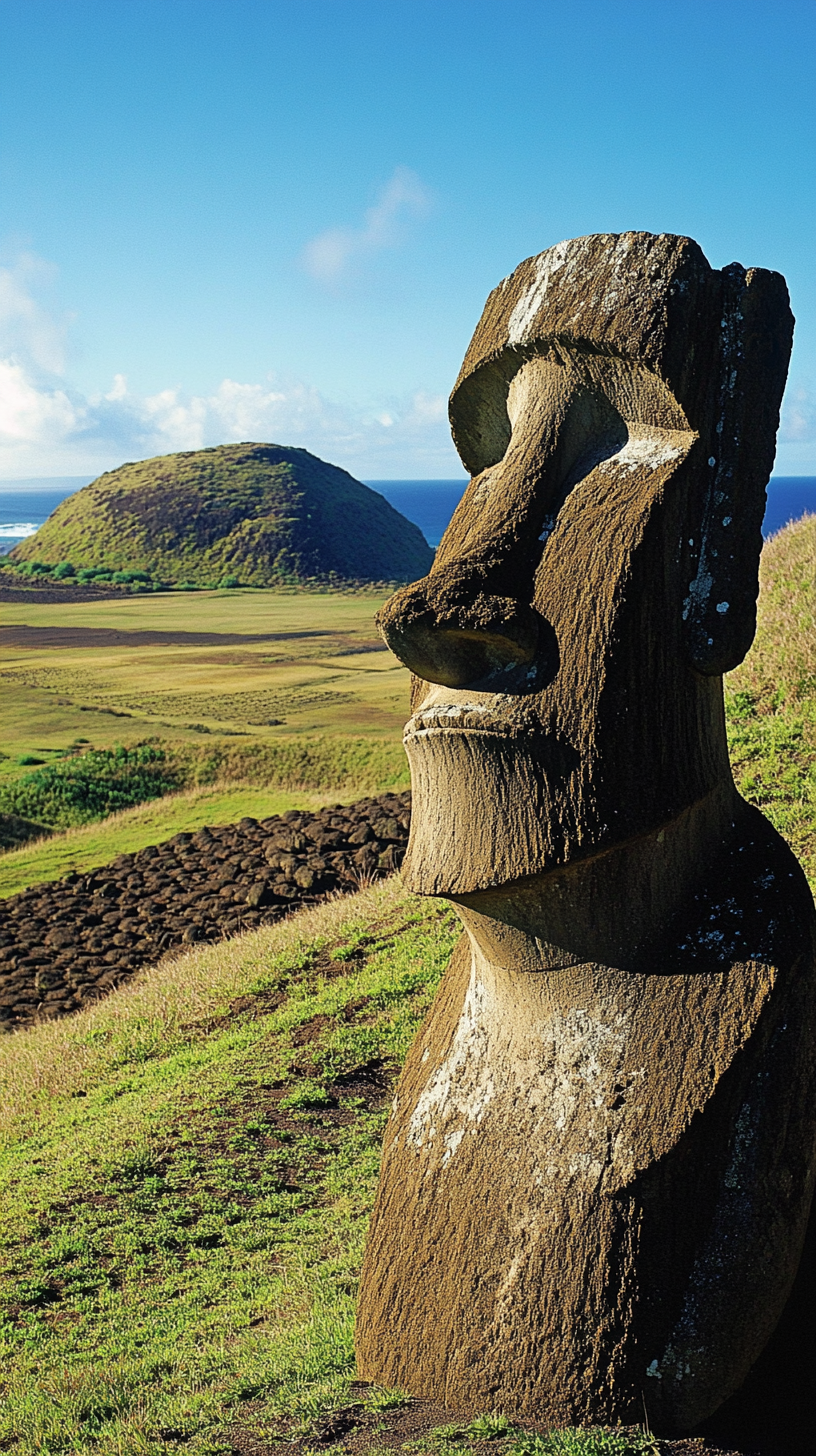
{"points": [[253, 664], [186, 1175], [280, 691]]}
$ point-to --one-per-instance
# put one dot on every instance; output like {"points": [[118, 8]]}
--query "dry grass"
{"points": [[252, 664], [186, 1171], [782, 661], [771, 697], [163, 1003]]}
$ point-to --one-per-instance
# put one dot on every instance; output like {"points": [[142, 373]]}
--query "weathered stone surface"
{"points": [[599, 1166]]}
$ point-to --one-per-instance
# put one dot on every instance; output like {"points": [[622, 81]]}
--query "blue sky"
{"points": [[261, 220]]}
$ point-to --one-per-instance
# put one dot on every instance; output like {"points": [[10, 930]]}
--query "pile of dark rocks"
{"points": [[65, 944]]}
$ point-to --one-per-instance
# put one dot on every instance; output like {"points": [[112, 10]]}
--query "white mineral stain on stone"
{"points": [[447, 710], [482, 491], [699, 593], [452, 1141], [547, 264], [441, 716], [647, 447], [566, 1069], [737, 1174], [581, 1054], [720, 1258], [462, 1088]]}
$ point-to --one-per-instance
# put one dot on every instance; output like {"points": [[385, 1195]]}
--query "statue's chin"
{"points": [[488, 808]]}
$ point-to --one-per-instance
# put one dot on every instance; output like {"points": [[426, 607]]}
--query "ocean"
{"points": [[431, 503], [26, 505]]}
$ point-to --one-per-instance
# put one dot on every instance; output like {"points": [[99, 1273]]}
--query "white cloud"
{"points": [[798, 415], [49, 428], [28, 330], [119, 388], [328, 256], [28, 414], [796, 450], [46, 430]]}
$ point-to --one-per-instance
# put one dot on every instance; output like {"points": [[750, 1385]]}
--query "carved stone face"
{"points": [[600, 572]]}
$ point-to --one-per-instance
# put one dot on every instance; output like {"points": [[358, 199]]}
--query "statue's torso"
{"points": [[606, 1173]]}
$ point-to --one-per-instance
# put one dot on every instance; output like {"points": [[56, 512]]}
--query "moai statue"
{"points": [[599, 1165]]}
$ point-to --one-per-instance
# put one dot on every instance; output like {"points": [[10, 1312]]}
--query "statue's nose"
{"points": [[448, 630], [472, 617]]}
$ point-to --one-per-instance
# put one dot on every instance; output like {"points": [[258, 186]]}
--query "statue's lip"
{"points": [[458, 718]]}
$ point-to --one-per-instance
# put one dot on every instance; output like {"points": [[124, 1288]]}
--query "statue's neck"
{"points": [[611, 908]]}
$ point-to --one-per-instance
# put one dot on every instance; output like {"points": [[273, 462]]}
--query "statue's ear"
{"points": [[749, 366]]}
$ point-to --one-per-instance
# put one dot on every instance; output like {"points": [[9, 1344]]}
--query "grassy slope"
{"points": [[186, 1185], [261, 514], [91, 845], [227, 781], [771, 698]]}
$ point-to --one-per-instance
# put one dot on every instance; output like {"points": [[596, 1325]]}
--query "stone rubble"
{"points": [[65, 944]]}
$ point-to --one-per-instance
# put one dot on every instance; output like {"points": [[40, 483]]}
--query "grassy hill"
{"points": [[254, 515]]}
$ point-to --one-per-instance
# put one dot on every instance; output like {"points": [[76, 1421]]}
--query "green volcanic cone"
{"points": [[264, 515]]}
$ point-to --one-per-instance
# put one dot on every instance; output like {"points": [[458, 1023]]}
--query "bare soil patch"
{"points": [[20, 635], [355, 1430]]}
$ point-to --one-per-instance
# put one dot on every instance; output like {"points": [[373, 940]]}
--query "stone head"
{"points": [[617, 410]]}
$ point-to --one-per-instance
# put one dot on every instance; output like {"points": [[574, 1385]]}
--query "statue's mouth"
{"points": [[452, 718]]}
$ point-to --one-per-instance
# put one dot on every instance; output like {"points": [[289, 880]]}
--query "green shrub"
{"points": [[64, 569], [91, 785], [33, 568], [83, 787]]}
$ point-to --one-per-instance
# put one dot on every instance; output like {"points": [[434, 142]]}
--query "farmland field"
{"points": [[250, 664]]}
